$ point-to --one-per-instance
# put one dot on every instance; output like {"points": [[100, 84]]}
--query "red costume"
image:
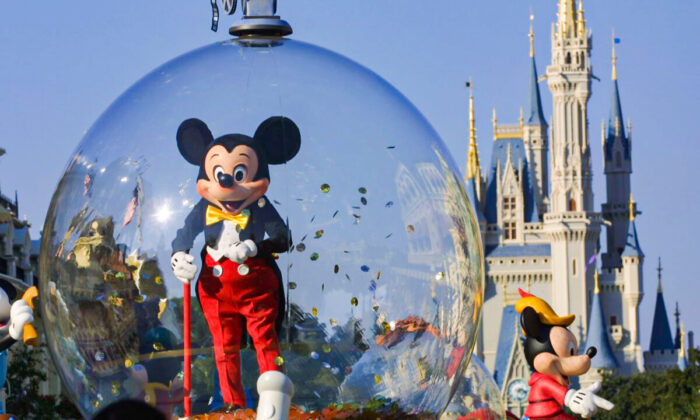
{"points": [[232, 302], [546, 399]]}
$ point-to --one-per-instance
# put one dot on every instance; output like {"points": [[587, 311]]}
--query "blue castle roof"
{"points": [[509, 332], [598, 337], [660, 330], [632, 248], [616, 127], [536, 116], [500, 154], [538, 250]]}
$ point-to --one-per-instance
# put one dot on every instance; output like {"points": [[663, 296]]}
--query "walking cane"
{"points": [[186, 352]]}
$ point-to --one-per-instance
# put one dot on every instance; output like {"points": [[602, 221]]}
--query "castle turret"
{"points": [[535, 135], [472, 175], [662, 353]]}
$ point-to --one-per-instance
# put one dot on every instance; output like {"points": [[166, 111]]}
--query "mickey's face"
{"points": [[230, 178], [565, 361], [233, 169]]}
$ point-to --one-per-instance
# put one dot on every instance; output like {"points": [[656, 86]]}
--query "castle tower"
{"points": [[632, 259], [617, 164], [662, 354], [604, 361], [570, 224], [535, 135], [472, 175]]}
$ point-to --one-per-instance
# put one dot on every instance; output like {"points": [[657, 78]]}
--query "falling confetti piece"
{"points": [[375, 308], [318, 234], [120, 275], [379, 274], [439, 275], [409, 228], [326, 365], [314, 311], [323, 286], [275, 255], [326, 348], [95, 403], [347, 276], [317, 394], [261, 202], [336, 213], [362, 190], [301, 247], [99, 298], [388, 236], [346, 252], [372, 285], [159, 280], [303, 238], [128, 363], [139, 298], [325, 188], [363, 200], [158, 346], [357, 218], [391, 147], [336, 268], [277, 202], [353, 301], [389, 204], [279, 361], [364, 268], [356, 207], [335, 371], [314, 355], [99, 356], [300, 199], [333, 322], [312, 218], [377, 379], [314, 256], [292, 285], [386, 327]]}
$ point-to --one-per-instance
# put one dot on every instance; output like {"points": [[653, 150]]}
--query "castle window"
{"points": [[572, 205], [573, 267], [568, 58], [509, 228], [613, 320], [508, 203]]}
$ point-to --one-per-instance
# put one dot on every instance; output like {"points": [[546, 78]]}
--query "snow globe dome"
{"points": [[477, 397], [379, 289]]}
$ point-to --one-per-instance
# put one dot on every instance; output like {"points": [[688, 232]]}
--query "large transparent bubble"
{"points": [[380, 285], [477, 397]]}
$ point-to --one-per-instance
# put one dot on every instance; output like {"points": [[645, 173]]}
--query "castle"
{"points": [[540, 229]]}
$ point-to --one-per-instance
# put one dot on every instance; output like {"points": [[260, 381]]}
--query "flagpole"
{"points": [[187, 348]]}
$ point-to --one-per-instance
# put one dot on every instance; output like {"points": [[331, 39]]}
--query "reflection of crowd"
{"points": [[111, 306]]}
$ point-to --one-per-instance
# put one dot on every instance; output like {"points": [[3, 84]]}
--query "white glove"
{"points": [[242, 250], [21, 314], [585, 403], [182, 265]]}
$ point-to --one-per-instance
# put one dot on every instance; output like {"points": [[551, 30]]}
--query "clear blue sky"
{"points": [[64, 62]]}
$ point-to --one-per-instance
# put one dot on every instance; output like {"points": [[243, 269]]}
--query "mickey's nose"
{"points": [[591, 352], [225, 180]]}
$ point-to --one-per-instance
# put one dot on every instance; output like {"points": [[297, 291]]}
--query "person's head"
{"points": [[129, 409]]}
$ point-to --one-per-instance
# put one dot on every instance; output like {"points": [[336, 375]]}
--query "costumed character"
{"points": [[551, 351], [239, 286]]}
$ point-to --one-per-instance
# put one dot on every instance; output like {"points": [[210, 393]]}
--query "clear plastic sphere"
{"points": [[477, 397], [379, 286]]}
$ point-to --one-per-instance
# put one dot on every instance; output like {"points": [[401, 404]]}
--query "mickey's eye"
{"points": [[240, 173], [571, 349]]}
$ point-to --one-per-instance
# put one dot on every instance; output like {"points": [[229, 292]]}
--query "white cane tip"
{"points": [[273, 380]]}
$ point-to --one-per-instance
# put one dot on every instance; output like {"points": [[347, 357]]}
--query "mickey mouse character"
{"points": [[13, 316], [239, 286], [551, 351]]}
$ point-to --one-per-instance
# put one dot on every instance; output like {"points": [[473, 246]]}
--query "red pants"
{"points": [[559, 416], [232, 301]]}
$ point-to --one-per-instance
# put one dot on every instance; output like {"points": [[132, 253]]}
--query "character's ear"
{"points": [[279, 137], [531, 324], [193, 138]]}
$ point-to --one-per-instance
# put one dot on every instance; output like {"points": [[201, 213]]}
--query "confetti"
{"points": [[139, 298], [362, 190], [303, 238], [410, 228], [314, 311], [372, 285], [99, 298], [389, 204], [158, 346], [323, 286], [356, 207], [277, 202], [301, 247], [391, 147], [336, 213], [357, 218], [318, 234], [261, 202], [333, 322], [300, 199], [326, 365], [128, 363], [375, 308], [439, 275], [312, 218], [347, 276], [377, 379], [314, 355], [99, 356], [292, 285], [120, 276], [159, 280], [334, 371], [325, 188], [95, 403], [363, 200], [314, 256], [353, 301], [326, 348], [336, 268], [388, 236], [379, 274], [279, 361], [364, 268]]}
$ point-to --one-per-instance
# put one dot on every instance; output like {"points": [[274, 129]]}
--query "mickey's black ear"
{"points": [[193, 138], [279, 137], [531, 324]]}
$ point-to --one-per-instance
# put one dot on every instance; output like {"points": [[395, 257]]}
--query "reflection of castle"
{"points": [[539, 226]]}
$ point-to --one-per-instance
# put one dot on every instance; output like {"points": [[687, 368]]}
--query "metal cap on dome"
{"points": [[258, 18]]}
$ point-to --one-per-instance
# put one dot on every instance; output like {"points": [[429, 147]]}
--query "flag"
{"points": [[131, 207], [591, 260], [617, 40]]}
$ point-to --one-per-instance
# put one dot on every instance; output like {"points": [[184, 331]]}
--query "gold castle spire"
{"points": [[682, 349], [473, 168], [614, 57], [631, 208], [531, 35], [580, 21], [596, 279], [566, 23]]}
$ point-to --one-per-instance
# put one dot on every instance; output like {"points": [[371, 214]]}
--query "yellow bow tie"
{"points": [[215, 215]]}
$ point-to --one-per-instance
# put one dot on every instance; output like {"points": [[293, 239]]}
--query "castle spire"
{"points": [[473, 168], [535, 114], [565, 19], [678, 339], [596, 280], [632, 248], [631, 208], [660, 330], [614, 57], [580, 21], [597, 332], [616, 126]]}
